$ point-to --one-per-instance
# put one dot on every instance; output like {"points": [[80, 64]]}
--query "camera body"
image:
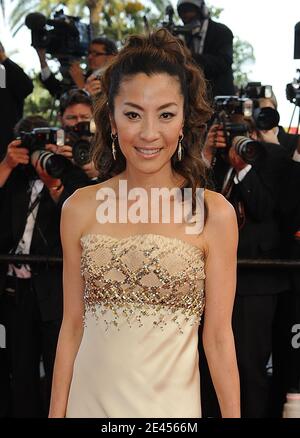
{"points": [[177, 30], [255, 90], [36, 140], [80, 138], [226, 110], [233, 105], [293, 90], [39, 137], [61, 36], [265, 118], [64, 37]]}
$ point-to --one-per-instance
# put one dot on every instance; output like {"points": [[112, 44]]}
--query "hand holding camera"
{"points": [[93, 85], [235, 159], [64, 150], [215, 139], [54, 185], [90, 170], [76, 74], [269, 136], [2, 53], [42, 56], [15, 155]]}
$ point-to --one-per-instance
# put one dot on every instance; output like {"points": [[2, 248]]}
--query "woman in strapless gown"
{"points": [[144, 298], [135, 291]]}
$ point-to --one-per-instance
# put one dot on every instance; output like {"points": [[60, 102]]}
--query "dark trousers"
{"points": [[29, 339], [5, 402], [286, 350], [252, 324]]}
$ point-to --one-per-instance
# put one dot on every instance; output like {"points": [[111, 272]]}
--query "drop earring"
{"points": [[179, 152], [113, 146]]}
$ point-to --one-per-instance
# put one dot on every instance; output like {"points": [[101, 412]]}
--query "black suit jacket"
{"points": [[216, 59], [56, 87], [259, 238], [289, 205], [14, 201], [47, 279], [18, 86]]}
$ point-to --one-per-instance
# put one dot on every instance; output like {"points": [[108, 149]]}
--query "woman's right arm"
{"points": [[72, 326]]}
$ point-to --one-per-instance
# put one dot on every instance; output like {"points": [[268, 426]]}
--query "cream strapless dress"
{"points": [[144, 298]]}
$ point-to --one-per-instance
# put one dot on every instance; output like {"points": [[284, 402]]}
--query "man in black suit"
{"points": [[31, 294], [211, 45], [252, 190], [18, 86], [286, 352], [285, 356]]}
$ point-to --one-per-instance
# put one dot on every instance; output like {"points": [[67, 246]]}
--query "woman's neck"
{"points": [[148, 181]]}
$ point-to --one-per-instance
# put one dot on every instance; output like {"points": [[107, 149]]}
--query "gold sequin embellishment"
{"points": [[143, 275]]}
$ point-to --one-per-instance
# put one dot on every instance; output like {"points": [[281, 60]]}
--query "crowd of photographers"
{"points": [[256, 166], [251, 160]]}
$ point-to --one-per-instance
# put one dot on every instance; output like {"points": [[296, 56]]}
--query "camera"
{"points": [[64, 37], [36, 140], [255, 90], [193, 28], [226, 110], [265, 118], [233, 105], [293, 90], [80, 138]]}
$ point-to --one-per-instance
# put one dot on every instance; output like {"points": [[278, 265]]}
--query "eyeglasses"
{"points": [[94, 53]]}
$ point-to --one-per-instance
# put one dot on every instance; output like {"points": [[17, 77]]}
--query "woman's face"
{"points": [[148, 118]]}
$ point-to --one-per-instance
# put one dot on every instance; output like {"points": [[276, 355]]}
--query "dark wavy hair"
{"points": [[158, 52]]}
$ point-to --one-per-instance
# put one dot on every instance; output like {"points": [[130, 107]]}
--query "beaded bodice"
{"points": [[141, 275]]}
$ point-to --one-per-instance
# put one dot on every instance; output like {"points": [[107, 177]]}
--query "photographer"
{"points": [[18, 87], [75, 115], [211, 45], [289, 141], [251, 186], [31, 294], [286, 358], [100, 53]]}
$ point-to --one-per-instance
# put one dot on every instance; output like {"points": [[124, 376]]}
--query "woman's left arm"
{"points": [[221, 236]]}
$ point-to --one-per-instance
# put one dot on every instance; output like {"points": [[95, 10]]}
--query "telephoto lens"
{"points": [[266, 118], [53, 164], [249, 150]]}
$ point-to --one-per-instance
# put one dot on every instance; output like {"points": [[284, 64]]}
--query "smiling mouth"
{"points": [[147, 151]]}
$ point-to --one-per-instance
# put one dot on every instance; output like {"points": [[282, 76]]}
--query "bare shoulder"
{"points": [[78, 201], [86, 195], [221, 223], [219, 209], [78, 208]]}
